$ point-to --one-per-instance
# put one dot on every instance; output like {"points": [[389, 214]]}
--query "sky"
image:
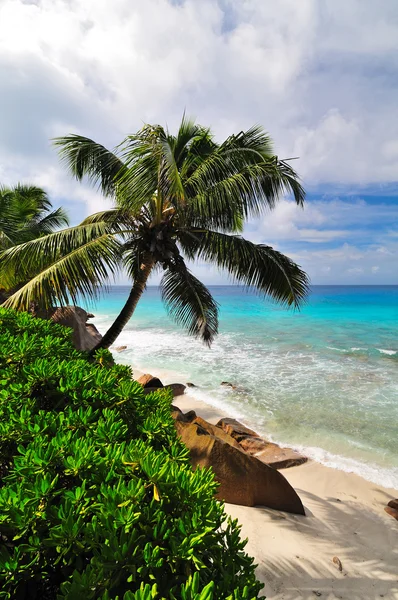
{"points": [[320, 76]]}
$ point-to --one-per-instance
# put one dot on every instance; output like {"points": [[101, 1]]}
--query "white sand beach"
{"points": [[345, 519]]}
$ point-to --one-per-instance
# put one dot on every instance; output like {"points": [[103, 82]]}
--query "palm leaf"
{"points": [[190, 303], [51, 221], [65, 264], [238, 180], [255, 265], [84, 157]]}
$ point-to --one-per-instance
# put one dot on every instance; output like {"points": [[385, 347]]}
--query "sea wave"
{"points": [[285, 390], [386, 477]]}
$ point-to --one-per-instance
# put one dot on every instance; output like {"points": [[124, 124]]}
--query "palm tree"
{"points": [[25, 214], [177, 197]]}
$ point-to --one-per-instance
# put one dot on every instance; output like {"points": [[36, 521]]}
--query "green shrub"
{"points": [[97, 497]]}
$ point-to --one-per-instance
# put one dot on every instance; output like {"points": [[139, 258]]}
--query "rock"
{"points": [[177, 388], [149, 381], [178, 415], [280, 458], [228, 384], [269, 453], [393, 504], [236, 429], [91, 328], [120, 348], [216, 432], [190, 384], [337, 562], [253, 445], [243, 479], [190, 416], [393, 512], [85, 336]]}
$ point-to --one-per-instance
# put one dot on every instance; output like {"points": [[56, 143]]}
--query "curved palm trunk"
{"points": [[128, 309]]}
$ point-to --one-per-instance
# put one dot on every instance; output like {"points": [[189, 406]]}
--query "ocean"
{"points": [[323, 379]]}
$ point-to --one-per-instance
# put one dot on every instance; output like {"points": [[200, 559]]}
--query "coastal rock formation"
{"points": [[149, 381], [243, 479], [120, 348], [216, 432], [393, 512], [85, 335], [236, 429], [178, 415], [280, 458], [177, 388], [228, 384], [392, 509], [269, 453]]}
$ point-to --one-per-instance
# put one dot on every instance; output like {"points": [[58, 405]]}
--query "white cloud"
{"points": [[320, 76], [348, 264]]}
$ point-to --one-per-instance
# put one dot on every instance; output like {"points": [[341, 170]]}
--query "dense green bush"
{"points": [[97, 498]]}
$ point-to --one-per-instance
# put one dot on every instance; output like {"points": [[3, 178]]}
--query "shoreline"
{"points": [[369, 471], [345, 519]]}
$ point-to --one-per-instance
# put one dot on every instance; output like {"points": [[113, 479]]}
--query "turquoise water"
{"points": [[324, 380]]}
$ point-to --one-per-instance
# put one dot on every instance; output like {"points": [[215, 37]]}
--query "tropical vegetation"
{"points": [[25, 214], [97, 496], [178, 199]]}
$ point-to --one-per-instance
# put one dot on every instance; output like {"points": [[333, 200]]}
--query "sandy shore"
{"points": [[345, 519]]}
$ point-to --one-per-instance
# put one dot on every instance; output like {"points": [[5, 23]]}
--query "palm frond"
{"points": [[268, 271], [84, 157], [138, 184], [190, 303], [188, 133], [241, 176], [118, 221], [35, 195], [25, 214], [54, 220], [60, 266]]}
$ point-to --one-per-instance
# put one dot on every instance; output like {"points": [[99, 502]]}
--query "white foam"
{"points": [[386, 477], [271, 375]]}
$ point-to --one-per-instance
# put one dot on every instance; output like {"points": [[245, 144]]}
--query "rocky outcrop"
{"points": [[120, 348], [178, 415], [149, 381], [280, 458], [216, 432], [85, 335], [269, 453], [393, 512], [392, 509], [236, 429], [178, 389], [243, 478]]}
